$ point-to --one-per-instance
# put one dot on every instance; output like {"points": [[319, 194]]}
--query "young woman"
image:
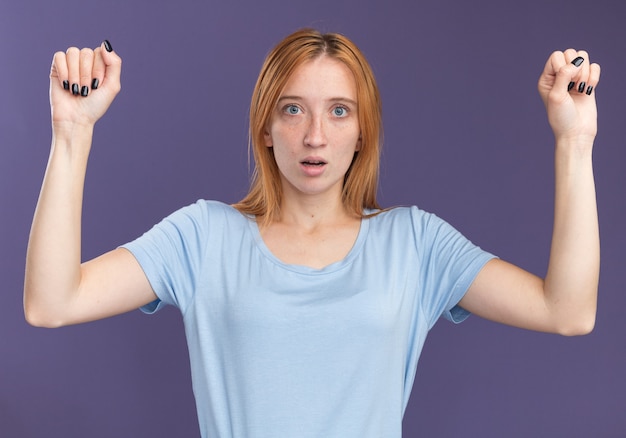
{"points": [[306, 305]]}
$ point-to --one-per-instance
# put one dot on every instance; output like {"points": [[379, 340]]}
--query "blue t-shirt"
{"points": [[281, 350]]}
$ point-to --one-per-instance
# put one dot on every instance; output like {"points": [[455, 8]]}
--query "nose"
{"points": [[316, 132]]}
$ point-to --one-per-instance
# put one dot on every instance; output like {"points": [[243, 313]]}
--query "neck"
{"points": [[313, 211]]}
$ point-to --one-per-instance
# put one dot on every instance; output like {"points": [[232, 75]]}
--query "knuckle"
{"points": [[72, 51], [86, 53], [58, 58]]}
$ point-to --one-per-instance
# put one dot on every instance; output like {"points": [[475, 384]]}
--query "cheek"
{"points": [[349, 132], [287, 136], [353, 139]]}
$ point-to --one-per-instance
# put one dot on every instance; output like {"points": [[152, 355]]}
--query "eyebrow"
{"points": [[332, 99]]}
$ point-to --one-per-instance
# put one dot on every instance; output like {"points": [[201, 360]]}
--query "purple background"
{"points": [[465, 137]]}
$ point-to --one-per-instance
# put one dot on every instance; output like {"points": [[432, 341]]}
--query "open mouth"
{"points": [[313, 163]]}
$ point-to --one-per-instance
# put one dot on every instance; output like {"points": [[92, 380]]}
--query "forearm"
{"points": [[571, 283], [54, 249]]}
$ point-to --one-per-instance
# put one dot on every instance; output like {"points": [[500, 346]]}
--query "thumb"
{"points": [[107, 67], [570, 72], [562, 74]]}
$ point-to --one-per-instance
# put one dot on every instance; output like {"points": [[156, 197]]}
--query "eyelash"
{"points": [[288, 107], [345, 111]]}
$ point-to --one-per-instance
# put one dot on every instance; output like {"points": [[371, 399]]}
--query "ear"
{"points": [[358, 144], [268, 139]]}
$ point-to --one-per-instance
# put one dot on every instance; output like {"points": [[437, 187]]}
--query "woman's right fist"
{"points": [[83, 83]]}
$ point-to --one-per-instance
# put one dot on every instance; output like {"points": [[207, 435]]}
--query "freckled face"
{"points": [[315, 129]]}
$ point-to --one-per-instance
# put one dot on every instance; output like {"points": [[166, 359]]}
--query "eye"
{"points": [[340, 111], [292, 110]]}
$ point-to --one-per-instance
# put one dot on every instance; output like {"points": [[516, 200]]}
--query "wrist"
{"points": [[72, 128], [579, 146], [72, 137]]}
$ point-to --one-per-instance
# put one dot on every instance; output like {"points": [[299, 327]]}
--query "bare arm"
{"points": [[565, 301], [58, 289]]}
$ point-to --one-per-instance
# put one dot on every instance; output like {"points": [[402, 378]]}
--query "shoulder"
{"points": [[200, 219], [203, 210], [412, 224], [403, 216], [194, 227]]}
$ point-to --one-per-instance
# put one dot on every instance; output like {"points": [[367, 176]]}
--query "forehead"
{"points": [[322, 76]]}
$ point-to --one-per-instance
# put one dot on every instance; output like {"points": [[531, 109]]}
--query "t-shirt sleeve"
{"points": [[450, 263], [170, 255]]}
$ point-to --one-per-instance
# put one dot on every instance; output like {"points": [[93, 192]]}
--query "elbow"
{"points": [[41, 317], [579, 327], [577, 317], [43, 323], [41, 320]]}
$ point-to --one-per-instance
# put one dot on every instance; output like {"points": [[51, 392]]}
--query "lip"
{"points": [[313, 166]]}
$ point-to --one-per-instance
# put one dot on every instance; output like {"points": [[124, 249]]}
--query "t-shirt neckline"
{"points": [[333, 267]]}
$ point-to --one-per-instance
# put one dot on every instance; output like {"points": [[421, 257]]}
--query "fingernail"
{"points": [[75, 90], [107, 45], [589, 90], [95, 83], [84, 91], [571, 85], [66, 85], [581, 87], [578, 61]]}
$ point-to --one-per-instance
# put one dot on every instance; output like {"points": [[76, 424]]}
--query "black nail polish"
{"points": [[66, 85], [75, 90], [571, 85], [107, 45], [95, 83], [589, 90], [578, 61], [581, 87], [84, 91]]}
